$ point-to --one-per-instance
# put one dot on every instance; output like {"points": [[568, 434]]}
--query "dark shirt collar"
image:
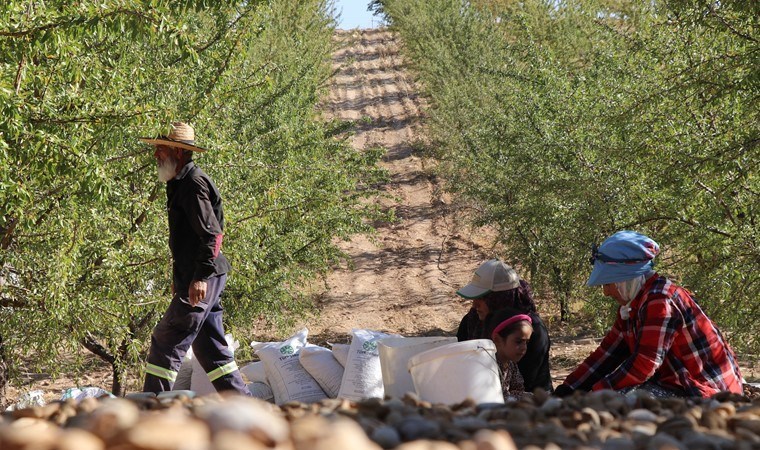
{"points": [[182, 173]]}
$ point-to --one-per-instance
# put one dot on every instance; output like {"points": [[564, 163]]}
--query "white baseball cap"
{"points": [[491, 276]]}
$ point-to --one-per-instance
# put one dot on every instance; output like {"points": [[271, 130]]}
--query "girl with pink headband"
{"points": [[496, 287], [511, 336]]}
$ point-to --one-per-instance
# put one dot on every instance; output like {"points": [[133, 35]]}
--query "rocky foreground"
{"points": [[602, 419]]}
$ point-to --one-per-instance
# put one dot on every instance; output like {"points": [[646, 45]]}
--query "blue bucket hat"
{"points": [[622, 256]]}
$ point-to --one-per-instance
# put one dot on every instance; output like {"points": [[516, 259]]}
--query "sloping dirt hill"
{"points": [[404, 280]]}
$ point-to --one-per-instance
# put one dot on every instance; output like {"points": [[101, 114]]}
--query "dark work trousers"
{"points": [[200, 326]]}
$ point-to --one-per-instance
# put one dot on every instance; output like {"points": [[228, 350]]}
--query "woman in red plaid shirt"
{"points": [[662, 341]]}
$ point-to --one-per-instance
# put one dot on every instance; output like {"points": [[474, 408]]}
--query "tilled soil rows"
{"points": [[403, 279], [604, 419]]}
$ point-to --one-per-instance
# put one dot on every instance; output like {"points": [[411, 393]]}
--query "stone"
{"points": [[418, 428], [726, 396], [618, 443], [168, 432], [373, 407], [471, 424], [601, 436], [605, 418], [747, 421], [79, 440], [725, 409], [662, 441], [395, 418], [748, 436], [28, 433], [112, 417], [467, 444], [590, 415], [236, 440], [39, 412], [695, 412], [644, 429], [318, 433], [675, 404], [64, 413], [713, 420], [696, 440], [411, 399], [87, 405], [386, 437], [469, 404], [642, 415], [427, 445], [677, 426], [551, 405], [246, 415], [493, 440]]}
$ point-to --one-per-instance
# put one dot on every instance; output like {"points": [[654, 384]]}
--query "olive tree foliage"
{"points": [[563, 122], [83, 227]]}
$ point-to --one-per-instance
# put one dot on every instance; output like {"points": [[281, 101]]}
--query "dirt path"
{"points": [[403, 280]]}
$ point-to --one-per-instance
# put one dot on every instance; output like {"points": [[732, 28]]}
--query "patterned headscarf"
{"points": [[623, 256]]}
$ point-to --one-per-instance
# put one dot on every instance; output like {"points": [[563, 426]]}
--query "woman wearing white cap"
{"points": [[662, 342], [496, 286]]}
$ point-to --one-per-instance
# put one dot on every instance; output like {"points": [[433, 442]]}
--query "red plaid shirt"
{"points": [[668, 339]]}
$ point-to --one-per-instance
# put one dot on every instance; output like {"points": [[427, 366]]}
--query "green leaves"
{"points": [[566, 122], [82, 215]]}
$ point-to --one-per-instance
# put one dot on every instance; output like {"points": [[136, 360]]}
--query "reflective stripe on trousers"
{"points": [[183, 325], [161, 372], [222, 371]]}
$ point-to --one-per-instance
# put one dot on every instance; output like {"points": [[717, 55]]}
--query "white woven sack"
{"points": [[185, 374], [287, 377], [255, 372], [323, 366], [340, 352], [363, 377], [261, 390], [199, 382]]}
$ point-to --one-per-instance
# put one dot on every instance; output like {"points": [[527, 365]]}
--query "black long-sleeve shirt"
{"points": [[196, 225]]}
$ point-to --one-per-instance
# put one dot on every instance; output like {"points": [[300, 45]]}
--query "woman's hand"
{"points": [[563, 390]]}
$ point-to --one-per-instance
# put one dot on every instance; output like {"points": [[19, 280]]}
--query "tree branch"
{"points": [[90, 343], [690, 222]]}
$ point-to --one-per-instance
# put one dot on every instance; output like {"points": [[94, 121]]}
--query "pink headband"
{"points": [[510, 321]]}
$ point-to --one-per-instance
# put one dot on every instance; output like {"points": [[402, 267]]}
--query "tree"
{"points": [[562, 122], [82, 225]]}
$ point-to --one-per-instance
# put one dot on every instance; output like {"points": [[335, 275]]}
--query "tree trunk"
{"points": [[3, 370], [564, 307], [117, 386], [118, 360], [563, 290]]}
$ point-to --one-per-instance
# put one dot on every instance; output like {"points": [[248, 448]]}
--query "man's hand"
{"points": [[197, 292]]}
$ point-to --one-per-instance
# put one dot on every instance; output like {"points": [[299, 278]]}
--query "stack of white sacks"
{"points": [[294, 370]]}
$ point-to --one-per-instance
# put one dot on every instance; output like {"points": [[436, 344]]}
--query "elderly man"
{"points": [[662, 342], [194, 316]]}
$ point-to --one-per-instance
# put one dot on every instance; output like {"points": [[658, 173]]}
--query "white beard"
{"points": [[167, 170]]}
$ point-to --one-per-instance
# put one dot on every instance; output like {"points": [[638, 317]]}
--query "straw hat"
{"points": [[181, 136]]}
